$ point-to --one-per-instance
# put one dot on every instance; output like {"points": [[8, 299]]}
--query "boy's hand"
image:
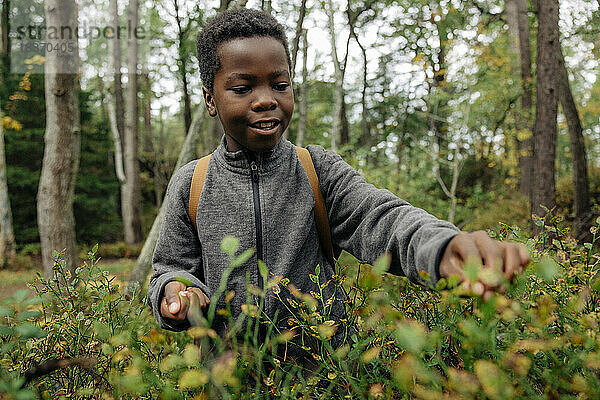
{"points": [[509, 258], [176, 300]]}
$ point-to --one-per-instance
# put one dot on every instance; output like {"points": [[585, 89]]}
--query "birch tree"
{"points": [[61, 140], [131, 195], [114, 48], [7, 237]]}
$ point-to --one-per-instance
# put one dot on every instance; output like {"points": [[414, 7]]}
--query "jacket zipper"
{"points": [[257, 218]]}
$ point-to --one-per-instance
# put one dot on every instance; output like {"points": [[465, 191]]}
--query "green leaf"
{"points": [[101, 329], [95, 248], [6, 330], [32, 301], [29, 330], [317, 270], [193, 378], [547, 269], [6, 312], [442, 284], [21, 295], [229, 245], [262, 268], [29, 314], [186, 282], [424, 275], [453, 281], [411, 336], [382, 264], [242, 258]]}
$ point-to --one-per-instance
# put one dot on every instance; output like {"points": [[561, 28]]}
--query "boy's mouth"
{"points": [[265, 126]]}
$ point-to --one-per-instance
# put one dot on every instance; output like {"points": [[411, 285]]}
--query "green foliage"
{"points": [[96, 193], [96, 189], [537, 340]]}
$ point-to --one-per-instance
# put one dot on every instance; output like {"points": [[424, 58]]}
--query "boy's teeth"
{"points": [[265, 124]]}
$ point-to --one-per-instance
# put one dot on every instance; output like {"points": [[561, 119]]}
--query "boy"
{"points": [[257, 190]]}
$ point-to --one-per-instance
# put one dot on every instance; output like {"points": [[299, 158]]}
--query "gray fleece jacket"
{"points": [[265, 200]]}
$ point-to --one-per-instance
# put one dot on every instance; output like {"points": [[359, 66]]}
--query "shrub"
{"points": [[539, 339]]}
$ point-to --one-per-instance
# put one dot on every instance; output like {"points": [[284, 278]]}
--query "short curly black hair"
{"points": [[233, 24]]}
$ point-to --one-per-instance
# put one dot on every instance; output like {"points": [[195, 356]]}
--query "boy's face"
{"points": [[252, 93]]}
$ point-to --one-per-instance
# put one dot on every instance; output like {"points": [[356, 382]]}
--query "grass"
{"points": [[12, 281]]}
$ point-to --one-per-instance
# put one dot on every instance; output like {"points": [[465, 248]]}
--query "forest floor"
{"points": [[12, 281]]}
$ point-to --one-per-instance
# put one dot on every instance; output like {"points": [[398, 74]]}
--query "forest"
{"points": [[485, 113]]}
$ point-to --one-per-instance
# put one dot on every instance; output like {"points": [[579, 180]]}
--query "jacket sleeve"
{"points": [[369, 222], [178, 252]]}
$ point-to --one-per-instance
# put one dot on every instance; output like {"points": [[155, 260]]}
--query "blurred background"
{"points": [[478, 111]]}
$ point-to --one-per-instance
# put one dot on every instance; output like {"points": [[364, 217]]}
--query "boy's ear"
{"points": [[209, 102]]}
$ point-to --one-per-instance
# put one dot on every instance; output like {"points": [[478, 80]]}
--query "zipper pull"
{"points": [[254, 171]]}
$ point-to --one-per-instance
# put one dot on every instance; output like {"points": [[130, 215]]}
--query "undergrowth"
{"points": [[540, 339]]}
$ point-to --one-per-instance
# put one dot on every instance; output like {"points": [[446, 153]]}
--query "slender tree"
{"points": [[303, 94], [114, 48], [182, 61], [581, 187], [299, 32], [61, 140], [518, 22], [115, 104], [548, 49], [5, 38], [340, 129], [7, 237], [131, 192]]}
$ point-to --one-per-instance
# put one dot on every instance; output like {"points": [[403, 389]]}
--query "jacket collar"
{"points": [[239, 161]]}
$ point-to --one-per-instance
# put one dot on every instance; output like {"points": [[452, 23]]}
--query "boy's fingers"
{"points": [[524, 255], [489, 249], [460, 248], [171, 305], [203, 300], [512, 260], [464, 245]]}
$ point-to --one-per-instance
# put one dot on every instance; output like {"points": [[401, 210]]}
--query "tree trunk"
{"points": [[144, 261], [215, 133], [114, 48], [114, 130], [5, 44], [265, 5], [159, 176], [147, 91], [524, 124], [299, 32], [61, 143], [131, 192], [303, 95], [546, 110], [339, 131], [581, 188], [224, 5], [7, 237], [182, 61]]}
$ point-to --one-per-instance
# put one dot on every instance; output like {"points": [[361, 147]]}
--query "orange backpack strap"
{"points": [[196, 186], [321, 218]]}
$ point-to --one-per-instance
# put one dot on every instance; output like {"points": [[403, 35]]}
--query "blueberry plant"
{"points": [[80, 337]]}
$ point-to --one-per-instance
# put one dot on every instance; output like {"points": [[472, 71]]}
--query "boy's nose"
{"points": [[264, 101]]}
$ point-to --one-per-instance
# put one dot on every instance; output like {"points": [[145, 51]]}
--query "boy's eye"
{"points": [[240, 89], [281, 86]]}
